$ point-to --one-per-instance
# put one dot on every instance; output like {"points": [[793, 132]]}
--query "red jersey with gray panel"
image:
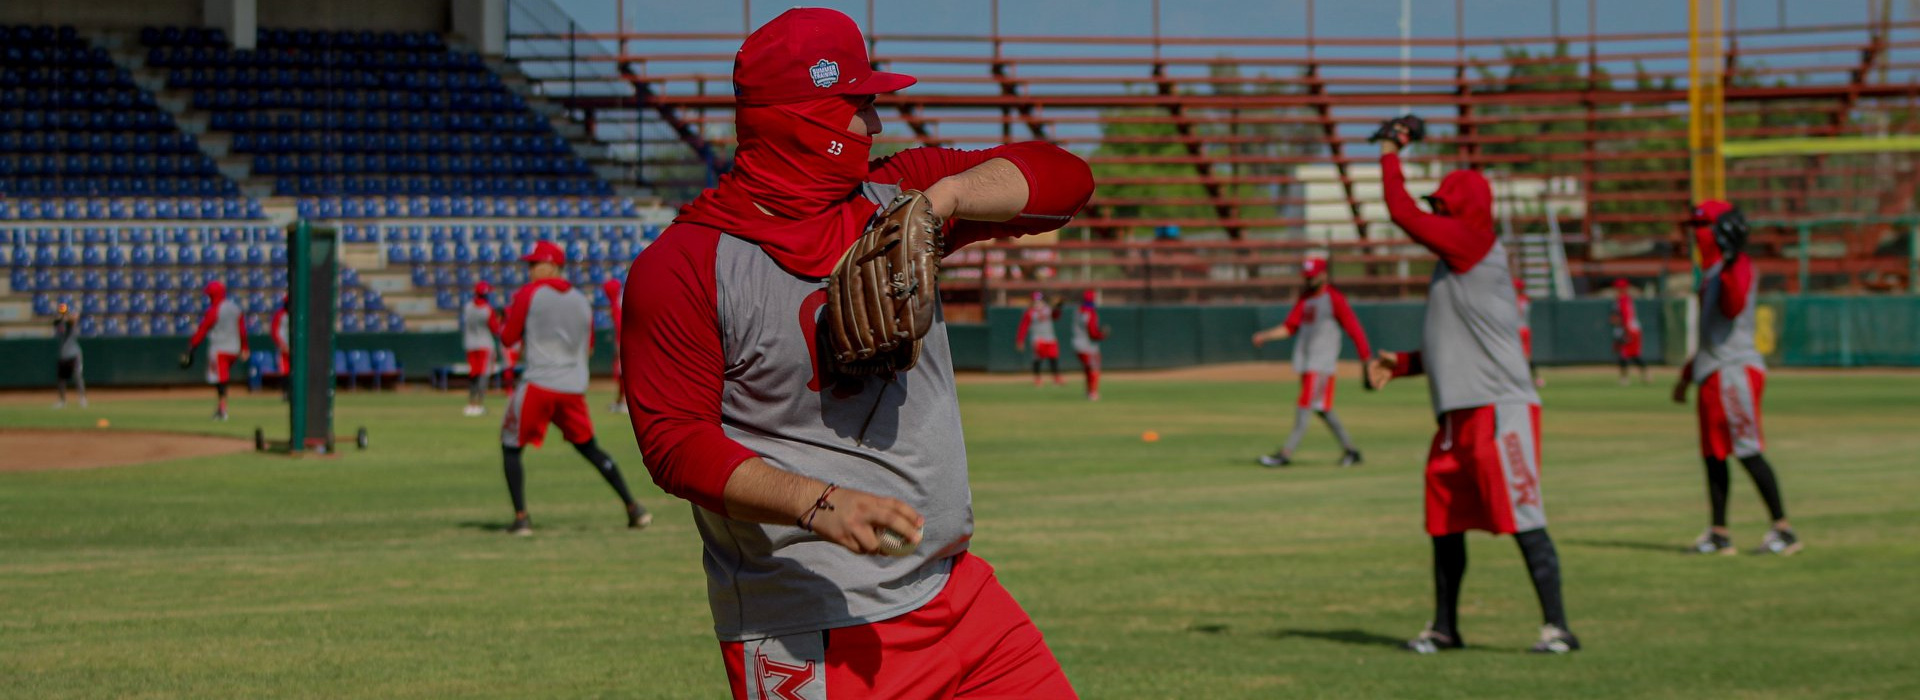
{"points": [[723, 351], [554, 324], [1483, 468]]}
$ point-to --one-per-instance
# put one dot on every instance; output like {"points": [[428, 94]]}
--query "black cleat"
{"points": [[1554, 640], [1779, 541], [1350, 459], [1430, 641], [1713, 543], [1277, 459], [522, 526], [637, 517]]}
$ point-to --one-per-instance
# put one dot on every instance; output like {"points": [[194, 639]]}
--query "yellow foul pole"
{"points": [[1706, 99]]}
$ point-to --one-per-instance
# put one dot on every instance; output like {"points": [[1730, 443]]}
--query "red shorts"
{"points": [[477, 361], [971, 641], [1089, 360], [1629, 346], [1316, 391], [1046, 350], [532, 408], [1483, 471], [1729, 406], [220, 367]]}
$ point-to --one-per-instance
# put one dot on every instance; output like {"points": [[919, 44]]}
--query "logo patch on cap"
{"points": [[825, 73]]}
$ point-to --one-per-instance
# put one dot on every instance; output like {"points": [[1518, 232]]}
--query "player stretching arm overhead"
{"points": [[1319, 317], [1732, 376], [1483, 469], [795, 471]]}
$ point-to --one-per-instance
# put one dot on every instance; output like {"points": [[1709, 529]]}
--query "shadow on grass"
{"points": [[1661, 547], [1347, 636], [486, 525]]}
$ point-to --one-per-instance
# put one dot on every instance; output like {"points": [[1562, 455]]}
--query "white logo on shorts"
{"points": [[825, 73]]}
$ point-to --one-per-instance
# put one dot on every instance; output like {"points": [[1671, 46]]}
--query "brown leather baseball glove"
{"points": [[883, 293]]}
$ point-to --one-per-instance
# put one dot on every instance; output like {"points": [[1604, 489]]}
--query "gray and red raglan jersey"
{"points": [[1086, 330], [1036, 326], [476, 326], [723, 348], [554, 324], [1470, 348], [1318, 323], [221, 329], [1727, 323]]}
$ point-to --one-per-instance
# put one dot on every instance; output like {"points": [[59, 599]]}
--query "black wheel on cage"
{"points": [[360, 438], [259, 440]]}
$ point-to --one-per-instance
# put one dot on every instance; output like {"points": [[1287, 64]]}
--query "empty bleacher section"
{"points": [[140, 280], [349, 119], [80, 140]]}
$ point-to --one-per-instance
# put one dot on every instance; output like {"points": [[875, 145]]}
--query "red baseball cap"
{"points": [[1621, 282], [805, 54], [1313, 266], [481, 288], [545, 252]]}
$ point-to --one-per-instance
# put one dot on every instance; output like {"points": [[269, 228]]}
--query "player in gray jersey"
{"points": [[1483, 468], [1036, 328], [1318, 319], [223, 328], [1732, 376], [795, 470], [479, 330], [555, 321], [71, 366]]}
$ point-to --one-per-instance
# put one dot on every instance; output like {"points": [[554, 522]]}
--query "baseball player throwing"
{"points": [[1483, 470], [1732, 376], [1036, 327], [555, 322], [1087, 334], [70, 369], [802, 475], [1318, 318]]}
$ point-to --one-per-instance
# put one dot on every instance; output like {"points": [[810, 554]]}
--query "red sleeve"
{"points": [[1408, 364], [1350, 324], [674, 367], [1293, 317], [279, 321], [1686, 371], [207, 320], [1457, 244], [1735, 281], [1058, 185], [240, 324], [516, 324], [1093, 324], [1026, 319], [495, 323]]}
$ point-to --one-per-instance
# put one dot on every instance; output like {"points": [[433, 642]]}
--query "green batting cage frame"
{"points": [[313, 263]]}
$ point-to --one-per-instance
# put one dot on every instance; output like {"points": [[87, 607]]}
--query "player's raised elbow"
{"points": [[1059, 183]]}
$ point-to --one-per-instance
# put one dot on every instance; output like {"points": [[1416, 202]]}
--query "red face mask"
{"points": [[799, 162]]}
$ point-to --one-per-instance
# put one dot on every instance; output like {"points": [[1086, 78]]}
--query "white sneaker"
{"points": [[83, 402], [57, 405]]}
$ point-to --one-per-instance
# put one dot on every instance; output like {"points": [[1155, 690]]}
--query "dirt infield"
{"points": [[38, 450]]}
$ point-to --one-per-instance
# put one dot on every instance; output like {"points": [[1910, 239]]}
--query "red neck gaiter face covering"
{"points": [[800, 163]]}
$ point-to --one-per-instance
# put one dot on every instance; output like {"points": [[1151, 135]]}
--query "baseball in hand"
{"points": [[894, 544]]}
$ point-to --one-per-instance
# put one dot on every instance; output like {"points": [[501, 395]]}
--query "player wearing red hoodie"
{"points": [[1626, 330], [223, 328], [1732, 376], [611, 288], [1483, 469], [796, 471]]}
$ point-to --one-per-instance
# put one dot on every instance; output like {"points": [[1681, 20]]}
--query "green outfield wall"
{"points": [[1796, 331]]}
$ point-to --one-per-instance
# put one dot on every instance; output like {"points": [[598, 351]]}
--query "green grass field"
{"points": [[1175, 569]]}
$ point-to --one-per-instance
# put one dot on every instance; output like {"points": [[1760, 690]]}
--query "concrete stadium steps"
{"points": [[395, 284], [597, 154]]}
